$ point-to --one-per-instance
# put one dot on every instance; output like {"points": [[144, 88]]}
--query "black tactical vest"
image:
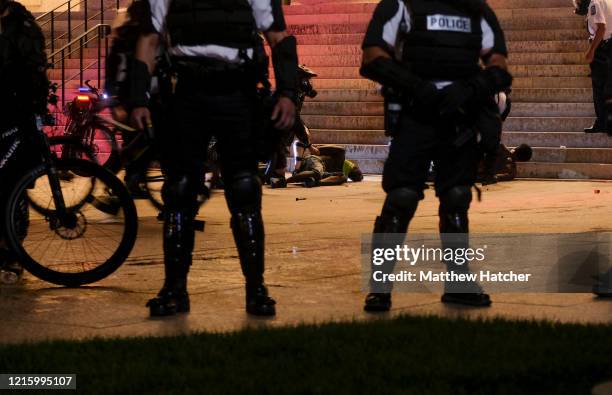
{"points": [[444, 41], [23, 81], [228, 23]]}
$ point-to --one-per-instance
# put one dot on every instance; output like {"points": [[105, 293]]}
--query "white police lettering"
{"points": [[9, 153], [449, 23]]}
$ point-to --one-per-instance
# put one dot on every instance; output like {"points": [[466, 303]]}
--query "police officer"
{"points": [[598, 55], [427, 53], [215, 50], [24, 89]]}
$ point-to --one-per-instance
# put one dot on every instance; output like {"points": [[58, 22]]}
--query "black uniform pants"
{"points": [[198, 110], [602, 84], [421, 140]]}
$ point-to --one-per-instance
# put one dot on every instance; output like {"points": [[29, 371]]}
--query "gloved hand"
{"points": [[425, 94], [453, 98], [484, 84]]}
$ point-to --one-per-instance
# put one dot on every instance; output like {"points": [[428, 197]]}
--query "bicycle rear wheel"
{"points": [[86, 243], [70, 147], [64, 147]]}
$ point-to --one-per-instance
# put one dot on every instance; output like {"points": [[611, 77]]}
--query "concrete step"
{"points": [[551, 82], [376, 122], [544, 34], [523, 48], [565, 170], [544, 124], [552, 109], [330, 8], [550, 12], [521, 4], [512, 139], [348, 95], [547, 46], [572, 155], [329, 19], [497, 5], [518, 109], [550, 70], [521, 59], [335, 136], [344, 122], [330, 39], [540, 154], [558, 139], [562, 95], [342, 108], [529, 95]]}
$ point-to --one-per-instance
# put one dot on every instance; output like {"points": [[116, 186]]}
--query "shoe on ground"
{"points": [[377, 302], [168, 303], [602, 290], [259, 303], [467, 299], [278, 182], [595, 129]]}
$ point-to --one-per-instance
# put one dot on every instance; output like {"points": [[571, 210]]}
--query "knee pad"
{"points": [[399, 208], [401, 201], [453, 211], [243, 191], [180, 193], [456, 199]]}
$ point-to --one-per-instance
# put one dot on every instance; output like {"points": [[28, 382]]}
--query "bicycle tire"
{"points": [[113, 161], [101, 271]]}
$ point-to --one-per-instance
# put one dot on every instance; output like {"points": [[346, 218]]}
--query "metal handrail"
{"points": [[63, 4], [38, 18], [103, 32], [70, 4]]}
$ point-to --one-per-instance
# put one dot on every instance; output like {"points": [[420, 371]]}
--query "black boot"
{"points": [[454, 234], [389, 230], [248, 230], [178, 246], [377, 302], [258, 302]]}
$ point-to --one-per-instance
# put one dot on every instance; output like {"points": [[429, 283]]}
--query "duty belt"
{"points": [[212, 75]]}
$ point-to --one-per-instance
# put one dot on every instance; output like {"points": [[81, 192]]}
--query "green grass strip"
{"points": [[408, 355]]}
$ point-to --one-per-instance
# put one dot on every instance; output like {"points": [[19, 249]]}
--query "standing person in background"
{"points": [[598, 56]]}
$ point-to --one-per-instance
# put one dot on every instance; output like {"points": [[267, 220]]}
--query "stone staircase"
{"points": [[552, 95]]}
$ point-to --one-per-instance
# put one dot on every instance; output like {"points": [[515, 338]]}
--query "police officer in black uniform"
{"points": [[427, 53], [215, 50], [24, 88]]}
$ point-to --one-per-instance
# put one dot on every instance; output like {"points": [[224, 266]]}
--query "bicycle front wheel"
{"points": [[82, 244]]}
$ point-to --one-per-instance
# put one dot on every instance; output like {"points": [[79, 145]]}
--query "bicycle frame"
{"points": [[39, 143]]}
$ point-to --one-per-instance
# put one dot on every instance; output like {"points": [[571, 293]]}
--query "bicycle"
{"points": [[82, 228], [89, 135]]}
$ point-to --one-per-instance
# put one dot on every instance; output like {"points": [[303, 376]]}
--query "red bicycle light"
{"points": [[83, 98]]}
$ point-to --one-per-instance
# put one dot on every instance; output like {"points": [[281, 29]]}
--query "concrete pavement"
{"points": [[313, 270]]}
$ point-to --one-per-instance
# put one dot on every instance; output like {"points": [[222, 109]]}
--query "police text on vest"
{"points": [[449, 23]]}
